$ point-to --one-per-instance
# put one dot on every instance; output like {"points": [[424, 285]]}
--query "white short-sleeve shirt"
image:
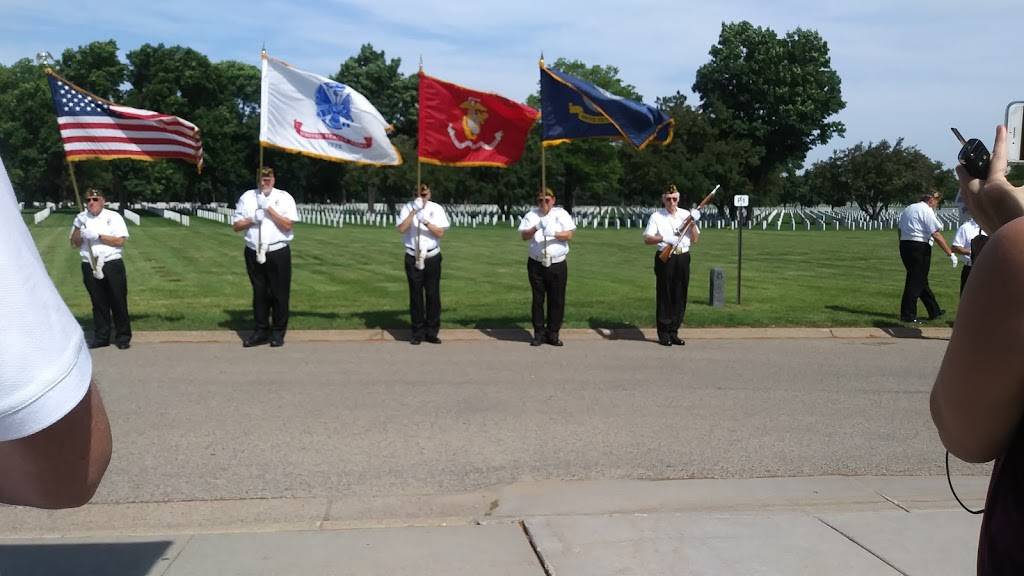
{"points": [[45, 367], [283, 204], [106, 223], [918, 222], [557, 220], [433, 213], [662, 223], [964, 234]]}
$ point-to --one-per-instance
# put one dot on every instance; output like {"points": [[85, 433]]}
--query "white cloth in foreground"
{"points": [[45, 367]]}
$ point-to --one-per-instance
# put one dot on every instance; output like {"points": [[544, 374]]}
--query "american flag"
{"points": [[94, 128]]}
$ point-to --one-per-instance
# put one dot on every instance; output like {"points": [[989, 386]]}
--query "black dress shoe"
{"points": [[554, 341], [433, 339], [664, 341], [537, 340], [415, 340], [910, 320], [99, 345], [276, 342], [937, 315], [677, 340], [254, 340], [123, 345]]}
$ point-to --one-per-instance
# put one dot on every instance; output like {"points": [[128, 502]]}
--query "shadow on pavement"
{"points": [[125, 559], [620, 330], [907, 332]]}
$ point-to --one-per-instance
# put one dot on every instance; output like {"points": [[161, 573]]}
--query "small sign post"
{"points": [[740, 201]]}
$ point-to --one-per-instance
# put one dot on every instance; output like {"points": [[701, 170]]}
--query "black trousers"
{"points": [[424, 296], [917, 259], [964, 274], [109, 299], [547, 283], [271, 289], [672, 281]]}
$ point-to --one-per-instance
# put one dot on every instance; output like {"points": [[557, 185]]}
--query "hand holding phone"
{"points": [[993, 201], [974, 156]]}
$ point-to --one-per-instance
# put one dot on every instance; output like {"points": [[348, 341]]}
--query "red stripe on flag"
{"points": [[126, 140]]}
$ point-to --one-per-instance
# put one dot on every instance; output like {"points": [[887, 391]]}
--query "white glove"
{"points": [[79, 222], [262, 200], [259, 215], [90, 235], [695, 214], [670, 239], [418, 203], [954, 259]]}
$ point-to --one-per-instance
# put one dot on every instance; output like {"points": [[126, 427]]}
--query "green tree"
{"points": [[877, 176], [777, 93]]}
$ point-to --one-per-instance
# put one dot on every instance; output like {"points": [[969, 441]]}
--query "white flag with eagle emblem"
{"points": [[315, 116]]}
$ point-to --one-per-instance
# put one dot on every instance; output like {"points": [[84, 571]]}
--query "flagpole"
{"points": [[78, 201], [419, 182], [543, 160]]}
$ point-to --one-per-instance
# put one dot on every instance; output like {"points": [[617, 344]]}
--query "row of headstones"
{"points": [[212, 215], [167, 213], [42, 214], [132, 217]]}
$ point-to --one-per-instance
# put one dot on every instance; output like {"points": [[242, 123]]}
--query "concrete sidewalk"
{"points": [[820, 525]]}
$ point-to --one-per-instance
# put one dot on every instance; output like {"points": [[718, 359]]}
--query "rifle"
{"points": [[666, 252]]}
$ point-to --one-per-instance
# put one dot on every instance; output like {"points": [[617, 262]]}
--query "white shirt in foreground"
{"points": [[666, 225], [45, 367], [283, 204], [433, 213], [557, 220], [918, 222]]}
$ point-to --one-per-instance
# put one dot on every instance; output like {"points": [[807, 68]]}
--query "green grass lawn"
{"points": [[194, 278]]}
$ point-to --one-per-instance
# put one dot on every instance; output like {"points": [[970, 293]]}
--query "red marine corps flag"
{"points": [[464, 127]]}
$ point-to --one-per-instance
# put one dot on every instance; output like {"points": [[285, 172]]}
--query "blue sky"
{"points": [[909, 69]]}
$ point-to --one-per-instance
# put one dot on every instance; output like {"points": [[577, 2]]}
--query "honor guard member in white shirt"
{"points": [[548, 229], [919, 228], [267, 216], [422, 223], [99, 234], [962, 241], [54, 433], [672, 278]]}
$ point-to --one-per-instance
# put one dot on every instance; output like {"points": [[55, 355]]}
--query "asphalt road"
{"points": [[216, 421]]}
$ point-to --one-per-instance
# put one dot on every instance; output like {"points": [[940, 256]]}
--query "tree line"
{"points": [[765, 101]]}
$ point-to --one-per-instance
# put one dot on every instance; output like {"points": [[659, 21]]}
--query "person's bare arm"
{"points": [[283, 224], [243, 224], [115, 241], [62, 465], [407, 223], [978, 396], [941, 241]]}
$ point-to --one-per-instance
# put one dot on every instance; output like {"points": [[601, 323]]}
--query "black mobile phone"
{"points": [[974, 156]]}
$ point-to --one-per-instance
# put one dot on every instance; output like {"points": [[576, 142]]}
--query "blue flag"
{"points": [[572, 108]]}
